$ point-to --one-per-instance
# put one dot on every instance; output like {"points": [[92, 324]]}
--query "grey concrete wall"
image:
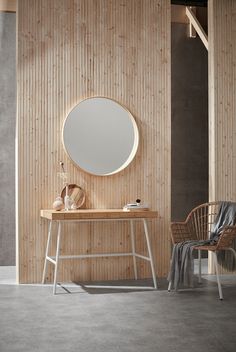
{"points": [[7, 136], [189, 80]]}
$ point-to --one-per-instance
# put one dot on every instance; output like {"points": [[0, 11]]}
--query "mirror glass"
{"points": [[100, 136]]}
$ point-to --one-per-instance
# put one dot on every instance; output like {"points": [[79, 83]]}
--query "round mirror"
{"points": [[100, 136]]}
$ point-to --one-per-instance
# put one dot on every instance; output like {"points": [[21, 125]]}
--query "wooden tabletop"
{"points": [[97, 214]]}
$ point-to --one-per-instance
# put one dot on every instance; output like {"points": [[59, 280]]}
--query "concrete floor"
{"points": [[93, 319]]}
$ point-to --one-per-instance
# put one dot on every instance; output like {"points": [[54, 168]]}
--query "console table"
{"points": [[89, 215]]}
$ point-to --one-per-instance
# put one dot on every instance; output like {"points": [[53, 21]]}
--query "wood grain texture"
{"points": [[97, 214], [69, 50], [7, 5], [222, 99]]}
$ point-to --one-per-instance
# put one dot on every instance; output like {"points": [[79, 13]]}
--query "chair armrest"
{"points": [[227, 237], [180, 232]]}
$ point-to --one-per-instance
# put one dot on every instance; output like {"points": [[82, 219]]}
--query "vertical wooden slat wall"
{"points": [[69, 50], [222, 99]]}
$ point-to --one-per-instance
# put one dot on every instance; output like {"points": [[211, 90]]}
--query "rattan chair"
{"points": [[198, 226]]}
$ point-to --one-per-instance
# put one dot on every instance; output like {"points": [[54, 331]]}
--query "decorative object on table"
{"points": [[58, 204], [76, 196], [64, 176], [137, 206], [67, 199], [73, 206]]}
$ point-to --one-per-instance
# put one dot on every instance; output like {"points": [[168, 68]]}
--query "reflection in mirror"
{"points": [[100, 136]]}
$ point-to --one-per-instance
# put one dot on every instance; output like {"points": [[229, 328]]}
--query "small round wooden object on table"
{"points": [[77, 195]]}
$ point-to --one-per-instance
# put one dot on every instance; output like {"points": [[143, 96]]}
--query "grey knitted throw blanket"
{"points": [[182, 263]]}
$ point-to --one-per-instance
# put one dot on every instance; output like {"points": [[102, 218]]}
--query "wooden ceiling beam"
{"points": [[197, 26]]}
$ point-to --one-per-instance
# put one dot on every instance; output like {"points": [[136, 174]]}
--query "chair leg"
{"points": [[217, 275], [169, 286], [199, 267]]}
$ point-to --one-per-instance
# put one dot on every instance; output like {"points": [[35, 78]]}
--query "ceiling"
{"points": [[190, 2]]}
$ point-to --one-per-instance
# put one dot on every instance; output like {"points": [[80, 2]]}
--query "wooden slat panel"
{"points": [[67, 51], [7, 5], [222, 99]]}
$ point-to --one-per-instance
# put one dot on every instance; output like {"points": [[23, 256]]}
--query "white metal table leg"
{"points": [[217, 275], [199, 266], [46, 253], [57, 257], [150, 253], [133, 249]]}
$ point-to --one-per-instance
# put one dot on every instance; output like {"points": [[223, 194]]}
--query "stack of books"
{"points": [[135, 207]]}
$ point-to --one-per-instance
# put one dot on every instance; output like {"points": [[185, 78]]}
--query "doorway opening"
{"points": [[189, 105]]}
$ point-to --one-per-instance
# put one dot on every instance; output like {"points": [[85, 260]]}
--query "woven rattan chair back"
{"points": [[201, 219], [198, 224]]}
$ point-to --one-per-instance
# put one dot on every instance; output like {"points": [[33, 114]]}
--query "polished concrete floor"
{"points": [[111, 317]]}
